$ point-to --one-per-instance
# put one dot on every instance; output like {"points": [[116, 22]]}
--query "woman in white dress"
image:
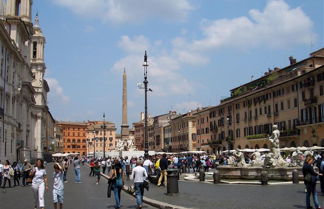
{"points": [[39, 183]]}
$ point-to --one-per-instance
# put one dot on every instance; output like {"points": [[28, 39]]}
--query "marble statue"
{"points": [[296, 158], [256, 159], [276, 159], [241, 158]]}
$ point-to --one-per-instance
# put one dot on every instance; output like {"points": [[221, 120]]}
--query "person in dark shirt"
{"points": [[163, 166], [310, 178]]}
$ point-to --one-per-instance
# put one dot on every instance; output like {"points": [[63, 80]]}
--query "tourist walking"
{"points": [[148, 165], [77, 165], [117, 177], [58, 186], [17, 174], [65, 164], [96, 170], [103, 165], [39, 183], [139, 175], [310, 178], [108, 165], [8, 172], [26, 168], [163, 166], [91, 164]]}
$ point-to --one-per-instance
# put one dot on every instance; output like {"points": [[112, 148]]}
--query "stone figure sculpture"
{"points": [[276, 159], [240, 158]]}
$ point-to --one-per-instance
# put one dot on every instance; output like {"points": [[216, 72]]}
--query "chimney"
{"points": [[292, 60]]}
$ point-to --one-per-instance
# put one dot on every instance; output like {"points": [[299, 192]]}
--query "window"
{"points": [[237, 117], [303, 95], [288, 103], [260, 111], [282, 106], [295, 102], [238, 133], [34, 50], [321, 91]]}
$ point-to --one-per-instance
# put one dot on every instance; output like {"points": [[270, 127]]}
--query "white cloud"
{"points": [[277, 26], [187, 106], [56, 90], [138, 45], [121, 11]]}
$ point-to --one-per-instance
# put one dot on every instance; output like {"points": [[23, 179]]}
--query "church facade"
{"points": [[26, 125]]}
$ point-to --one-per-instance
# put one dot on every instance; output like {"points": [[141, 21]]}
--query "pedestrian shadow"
{"points": [[299, 206]]}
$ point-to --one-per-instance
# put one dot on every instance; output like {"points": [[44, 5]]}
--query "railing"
{"points": [[294, 132], [312, 100], [257, 136]]}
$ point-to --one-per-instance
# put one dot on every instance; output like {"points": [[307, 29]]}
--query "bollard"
{"points": [[201, 175], [264, 177], [216, 177], [295, 176], [172, 181]]}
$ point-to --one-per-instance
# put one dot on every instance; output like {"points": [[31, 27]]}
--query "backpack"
{"points": [[11, 171]]}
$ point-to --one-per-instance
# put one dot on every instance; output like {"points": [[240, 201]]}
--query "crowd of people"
{"points": [[138, 169]]}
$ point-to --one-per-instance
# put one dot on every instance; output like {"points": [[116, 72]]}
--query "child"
{"points": [[58, 187]]}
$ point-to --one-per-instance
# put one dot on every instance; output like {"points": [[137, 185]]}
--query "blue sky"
{"points": [[198, 50]]}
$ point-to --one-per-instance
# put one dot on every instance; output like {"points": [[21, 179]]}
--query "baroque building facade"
{"points": [[26, 123]]}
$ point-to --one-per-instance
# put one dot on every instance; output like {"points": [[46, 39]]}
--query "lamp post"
{"points": [[104, 138], [145, 65]]}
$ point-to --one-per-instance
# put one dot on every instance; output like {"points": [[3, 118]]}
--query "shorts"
{"points": [[58, 196]]}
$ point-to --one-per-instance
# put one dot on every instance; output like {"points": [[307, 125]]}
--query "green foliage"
{"points": [[257, 136]]}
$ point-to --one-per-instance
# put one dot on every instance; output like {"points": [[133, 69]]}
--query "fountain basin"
{"points": [[253, 173]]}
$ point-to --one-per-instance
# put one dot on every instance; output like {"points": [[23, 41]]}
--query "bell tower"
{"points": [[19, 8]]}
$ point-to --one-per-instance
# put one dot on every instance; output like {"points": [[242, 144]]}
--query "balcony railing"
{"points": [[312, 100], [257, 136], [293, 132]]}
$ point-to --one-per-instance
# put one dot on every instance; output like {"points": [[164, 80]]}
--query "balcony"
{"points": [[257, 136], [290, 132], [312, 100]]}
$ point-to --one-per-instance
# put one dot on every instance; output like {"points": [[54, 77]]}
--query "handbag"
{"points": [[308, 178]]}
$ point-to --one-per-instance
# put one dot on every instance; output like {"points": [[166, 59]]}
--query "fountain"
{"points": [[277, 168]]}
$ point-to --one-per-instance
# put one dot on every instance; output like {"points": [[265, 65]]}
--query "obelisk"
{"points": [[124, 125]]}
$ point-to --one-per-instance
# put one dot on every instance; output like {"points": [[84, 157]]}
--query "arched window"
{"points": [[69, 140], [247, 147], [18, 3], [306, 143], [68, 146], [73, 140], [239, 147], [34, 50], [83, 141], [79, 141], [293, 144], [265, 146], [83, 146], [257, 146]]}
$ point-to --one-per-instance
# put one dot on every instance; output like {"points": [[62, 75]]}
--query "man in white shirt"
{"points": [[139, 174], [103, 165], [148, 165], [108, 165]]}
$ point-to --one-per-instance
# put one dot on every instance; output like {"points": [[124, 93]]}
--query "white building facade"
{"points": [[23, 90]]}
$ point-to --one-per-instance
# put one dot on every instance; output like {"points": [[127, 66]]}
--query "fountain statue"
{"points": [[241, 158], [276, 159]]}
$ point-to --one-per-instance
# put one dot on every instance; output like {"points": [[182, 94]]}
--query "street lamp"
{"points": [[104, 139], [145, 65]]}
